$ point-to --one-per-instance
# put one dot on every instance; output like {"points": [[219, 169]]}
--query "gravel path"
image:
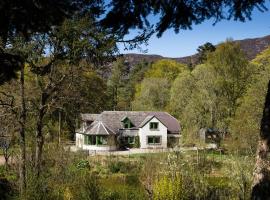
{"points": [[139, 151]]}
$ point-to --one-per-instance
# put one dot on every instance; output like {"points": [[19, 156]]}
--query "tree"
{"points": [[203, 51], [153, 94], [209, 95], [249, 114], [135, 77], [165, 68], [259, 97], [261, 182], [120, 17], [69, 44], [26, 18], [232, 71], [117, 83], [181, 91], [178, 15]]}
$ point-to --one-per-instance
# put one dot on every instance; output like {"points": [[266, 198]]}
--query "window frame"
{"points": [[154, 139], [151, 127], [94, 140]]}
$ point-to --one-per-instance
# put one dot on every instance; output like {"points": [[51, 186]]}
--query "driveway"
{"points": [[140, 151]]}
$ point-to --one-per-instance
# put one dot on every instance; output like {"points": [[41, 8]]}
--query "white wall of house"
{"points": [[145, 132], [98, 147], [80, 144], [79, 140]]}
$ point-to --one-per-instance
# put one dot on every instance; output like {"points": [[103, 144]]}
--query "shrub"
{"points": [[5, 189], [83, 164], [117, 166]]}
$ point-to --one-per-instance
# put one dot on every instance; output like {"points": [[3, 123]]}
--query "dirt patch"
{"points": [[2, 160]]}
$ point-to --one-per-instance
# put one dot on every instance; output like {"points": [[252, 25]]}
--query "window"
{"points": [[154, 140], [101, 140], [131, 140], [95, 140], [153, 125], [127, 123]]}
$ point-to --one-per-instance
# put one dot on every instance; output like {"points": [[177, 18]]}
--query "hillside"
{"points": [[251, 47]]}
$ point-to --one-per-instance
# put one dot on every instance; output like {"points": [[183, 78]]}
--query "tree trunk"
{"points": [[6, 156], [59, 131], [39, 134], [22, 121], [261, 176]]}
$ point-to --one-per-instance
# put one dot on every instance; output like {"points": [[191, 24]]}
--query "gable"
{"points": [[127, 123], [149, 119]]}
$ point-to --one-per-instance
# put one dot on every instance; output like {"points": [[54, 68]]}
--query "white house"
{"points": [[111, 130]]}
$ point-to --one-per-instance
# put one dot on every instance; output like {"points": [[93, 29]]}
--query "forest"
{"points": [[59, 59], [224, 91]]}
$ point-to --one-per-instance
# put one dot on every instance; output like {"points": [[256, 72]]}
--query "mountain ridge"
{"points": [[251, 47]]}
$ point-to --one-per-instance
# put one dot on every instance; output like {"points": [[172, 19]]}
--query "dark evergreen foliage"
{"points": [[25, 17], [203, 50], [175, 14]]}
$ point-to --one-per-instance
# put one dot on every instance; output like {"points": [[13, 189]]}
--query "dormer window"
{"points": [[127, 123], [153, 125]]}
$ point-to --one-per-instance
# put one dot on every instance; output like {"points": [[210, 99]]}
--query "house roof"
{"points": [[112, 119], [98, 128], [89, 117], [147, 119]]}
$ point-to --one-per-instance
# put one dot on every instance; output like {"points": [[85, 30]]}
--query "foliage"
{"points": [[82, 164], [204, 50], [153, 94], [246, 123], [176, 15], [210, 94], [165, 68], [240, 170], [6, 190], [232, 71], [117, 89], [59, 45], [178, 100], [137, 142], [167, 188]]}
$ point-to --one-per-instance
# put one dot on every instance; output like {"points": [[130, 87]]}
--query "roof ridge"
{"points": [[105, 128], [171, 116]]}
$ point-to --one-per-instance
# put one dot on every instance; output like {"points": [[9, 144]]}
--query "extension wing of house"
{"points": [[113, 130]]}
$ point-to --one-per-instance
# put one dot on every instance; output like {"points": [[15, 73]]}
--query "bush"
{"points": [[110, 195], [5, 189], [117, 166], [83, 164]]}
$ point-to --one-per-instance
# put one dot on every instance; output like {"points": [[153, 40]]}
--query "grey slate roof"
{"points": [[148, 118], [98, 128], [112, 119], [89, 117]]}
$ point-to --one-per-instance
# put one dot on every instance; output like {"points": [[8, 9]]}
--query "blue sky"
{"points": [[186, 41]]}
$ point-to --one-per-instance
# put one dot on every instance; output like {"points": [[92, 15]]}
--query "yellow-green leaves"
{"points": [[168, 69], [153, 93]]}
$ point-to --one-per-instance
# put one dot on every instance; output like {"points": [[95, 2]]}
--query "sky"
{"points": [[186, 42]]}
